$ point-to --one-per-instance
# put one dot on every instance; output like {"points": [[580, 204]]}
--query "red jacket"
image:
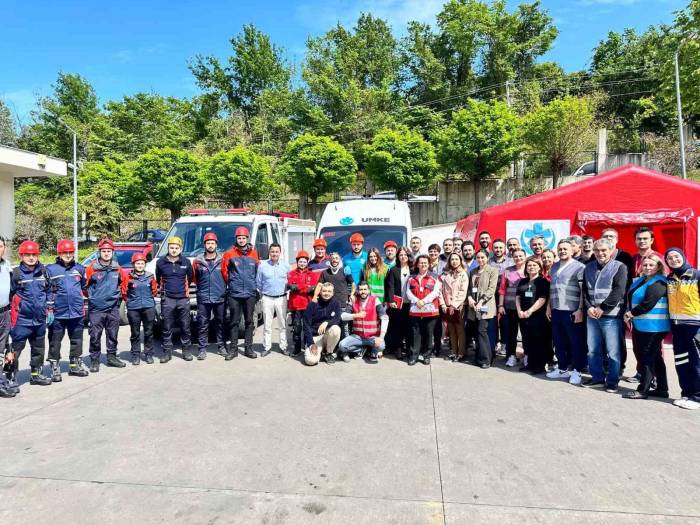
{"points": [[304, 281]]}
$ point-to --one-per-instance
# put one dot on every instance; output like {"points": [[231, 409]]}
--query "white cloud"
{"points": [[322, 15]]}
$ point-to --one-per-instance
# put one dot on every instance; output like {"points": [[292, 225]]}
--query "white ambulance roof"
{"points": [[366, 212]]}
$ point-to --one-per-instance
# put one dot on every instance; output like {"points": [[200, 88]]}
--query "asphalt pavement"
{"points": [[272, 441]]}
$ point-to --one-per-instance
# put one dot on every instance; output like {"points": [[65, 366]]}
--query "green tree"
{"points": [[255, 65], [238, 176], [127, 193], [401, 160], [173, 178], [313, 165], [561, 132], [481, 139], [8, 133]]}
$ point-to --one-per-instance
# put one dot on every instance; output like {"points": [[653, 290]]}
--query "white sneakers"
{"points": [[686, 403], [511, 362], [575, 378], [559, 374]]}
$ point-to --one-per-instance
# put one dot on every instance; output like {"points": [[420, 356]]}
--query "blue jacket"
{"points": [[66, 285], [139, 290], [655, 314], [103, 286], [240, 268], [211, 287], [29, 295], [174, 278]]}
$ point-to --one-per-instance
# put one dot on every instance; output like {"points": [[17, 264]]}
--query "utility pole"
{"points": [[75, 181], [681, 137]]}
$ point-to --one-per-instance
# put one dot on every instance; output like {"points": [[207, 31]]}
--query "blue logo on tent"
{"points": [[346, 221], [537, 230]]}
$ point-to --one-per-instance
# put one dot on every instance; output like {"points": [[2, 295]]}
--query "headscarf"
{"points": [[683, 267]]}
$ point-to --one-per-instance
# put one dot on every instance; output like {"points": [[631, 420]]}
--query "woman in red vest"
{"points": [[422, 292]]}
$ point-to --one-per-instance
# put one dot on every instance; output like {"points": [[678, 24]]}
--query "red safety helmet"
{"points": [[357, 237], [138, 256], [29, 248], [302, 254], [211, 236], [389, 243], [242, 231], [105, 244], [320, 243], [65, 246]]}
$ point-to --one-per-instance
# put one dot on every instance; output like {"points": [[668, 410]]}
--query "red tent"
{"points": [[625, 199]]}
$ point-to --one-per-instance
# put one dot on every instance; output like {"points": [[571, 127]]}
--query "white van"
{"points": [[377, 219]]}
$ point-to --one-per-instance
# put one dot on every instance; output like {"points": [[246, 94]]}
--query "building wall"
{"points": [[7, 205]]}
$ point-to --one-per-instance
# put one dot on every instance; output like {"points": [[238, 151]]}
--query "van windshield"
{"points": [[192, 235], [338, 237]]}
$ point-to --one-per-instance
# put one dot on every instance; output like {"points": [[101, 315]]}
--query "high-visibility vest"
{"points": [[656, 319], [369, 326]]}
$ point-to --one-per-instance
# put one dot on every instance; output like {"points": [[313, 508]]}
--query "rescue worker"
{"points": [[66, 283], [5, 279], [139, 289], [321, 260], [103, 280], [355, 261], [30, 314], [369, 325], [211, 295], [174, 275], [300, 283], [322, 327], [240, 268], [390, 251], [271, 282]]}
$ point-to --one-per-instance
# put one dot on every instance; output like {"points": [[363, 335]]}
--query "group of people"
{"points": [[572, 307]]}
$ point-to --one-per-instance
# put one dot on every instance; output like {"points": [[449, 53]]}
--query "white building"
{"points": [[16, 163]]}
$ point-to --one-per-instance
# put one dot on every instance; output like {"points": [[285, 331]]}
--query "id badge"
{"points": [[529, 295], [475, 290]]}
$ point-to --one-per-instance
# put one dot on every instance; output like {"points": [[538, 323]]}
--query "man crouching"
{"points": [[369, 324], [322, 327]]}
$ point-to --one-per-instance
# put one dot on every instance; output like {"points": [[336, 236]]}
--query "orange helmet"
{"points": [[242, 231], [320, 243], [389, 243], [65, 246], [138, 256], [357, 237], [105, 244], [29, 248], [302, 254]]}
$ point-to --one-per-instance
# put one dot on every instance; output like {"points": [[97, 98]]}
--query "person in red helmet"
{"points": [[30, 313], [301, 286], [390, 251], [354, 262], [66, 283], [103, 280], [211, 295], [139, 289], [321, 260], [239, 268]]}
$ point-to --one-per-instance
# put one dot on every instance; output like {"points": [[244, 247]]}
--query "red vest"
{"points": [[420, 288], [369, 326]]}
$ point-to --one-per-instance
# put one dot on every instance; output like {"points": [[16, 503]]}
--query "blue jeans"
{"points": [[604, 335], [569, 340], [353, 344]]}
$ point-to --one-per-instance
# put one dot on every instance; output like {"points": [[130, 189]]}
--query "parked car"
{"points": [[156, 235], [123, 251], [587, 168]]}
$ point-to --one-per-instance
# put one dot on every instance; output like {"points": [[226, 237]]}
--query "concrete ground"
{"points": [[272, 441]]}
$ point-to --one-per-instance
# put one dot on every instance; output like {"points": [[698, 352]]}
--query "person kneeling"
{"points": [[321, 327], [369, 324]]}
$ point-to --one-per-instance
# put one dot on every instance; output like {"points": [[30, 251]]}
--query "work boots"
{"points": [[202, 355], [135, 360], [12, 383], [38, 378], [186, 354], [148, 358], [114, 361], [76, 368], [94, 365], [167, 356], [55, 372], [6, 391]]}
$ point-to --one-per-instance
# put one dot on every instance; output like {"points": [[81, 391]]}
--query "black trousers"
{"points": [[36, 335], [536, 341], [512, 323], [478, 330], [204, 314], [422, 335], [107, 322], [298, 330], [138, 318], [175, 312], [57, 330], [242, 306], [398, 333], [648, 345]]}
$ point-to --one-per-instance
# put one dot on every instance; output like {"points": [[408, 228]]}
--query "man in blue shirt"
{"points": [[271, 282], [355, 262]]}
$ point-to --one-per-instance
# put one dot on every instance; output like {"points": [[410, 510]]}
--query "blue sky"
{"points": [[129, 46]]}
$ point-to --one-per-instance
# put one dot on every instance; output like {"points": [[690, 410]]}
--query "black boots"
{"points": [[55, 372], [94, 365], [167, 356], [148, 358], [202, 355], [136, 360], [76, 368], [186, 354], [114, 361], [37, 378]]}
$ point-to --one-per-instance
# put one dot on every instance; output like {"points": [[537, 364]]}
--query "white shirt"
{"points": [[5, 276]]}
